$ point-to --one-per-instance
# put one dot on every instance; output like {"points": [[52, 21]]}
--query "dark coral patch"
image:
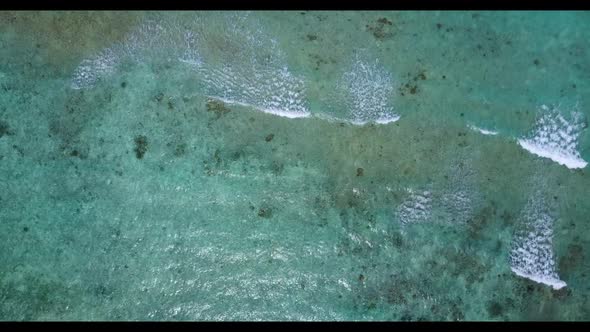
{"points": [[141, 145]]}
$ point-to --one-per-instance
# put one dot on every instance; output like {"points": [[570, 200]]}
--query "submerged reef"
{"points": [[294, 166]]}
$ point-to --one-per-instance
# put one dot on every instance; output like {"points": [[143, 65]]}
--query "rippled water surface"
{"points": [[294, 166]]}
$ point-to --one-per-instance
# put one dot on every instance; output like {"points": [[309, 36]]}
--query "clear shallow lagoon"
{"points": [[294, 166]]}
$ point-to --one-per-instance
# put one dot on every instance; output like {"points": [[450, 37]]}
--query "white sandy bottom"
{"points": [[555, 283], [568, 160]]}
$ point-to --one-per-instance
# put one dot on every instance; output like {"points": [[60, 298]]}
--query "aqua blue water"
{"points": [[294, 166]]}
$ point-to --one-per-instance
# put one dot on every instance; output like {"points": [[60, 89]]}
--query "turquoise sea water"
{"points": [[294, 166]]}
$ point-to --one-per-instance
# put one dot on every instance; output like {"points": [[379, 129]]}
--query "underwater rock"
{"points": [[573, 258], [495, 309], [411, 86], [141, 145], [311, 37], [4, 129], [180, 150], [382, 29], [217, 107], [265, 212]]}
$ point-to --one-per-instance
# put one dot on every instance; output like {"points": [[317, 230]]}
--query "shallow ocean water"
{"points": [[294, 166]]}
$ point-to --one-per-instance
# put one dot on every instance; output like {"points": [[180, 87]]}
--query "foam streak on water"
{"points": [[416, 208], [248, 69], [556, 138], [368, 88], [483, 131], [274, 91], [254, 73], [532, 250], [150, 41], [278, 112], [90, 71]]}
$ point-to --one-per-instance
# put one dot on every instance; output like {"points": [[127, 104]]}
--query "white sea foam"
{"points": [[550, 281], [380, 120], [90, 71], [388, 119], [482, 131], [239, 63], [152, 40], [366, 89], [532, 250], [459, 196], [332, 118], [278, 112], [416, 208], [453, 203], [235, 61], [566, 158], [271, 90], [556, 138], [457, 205]]}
